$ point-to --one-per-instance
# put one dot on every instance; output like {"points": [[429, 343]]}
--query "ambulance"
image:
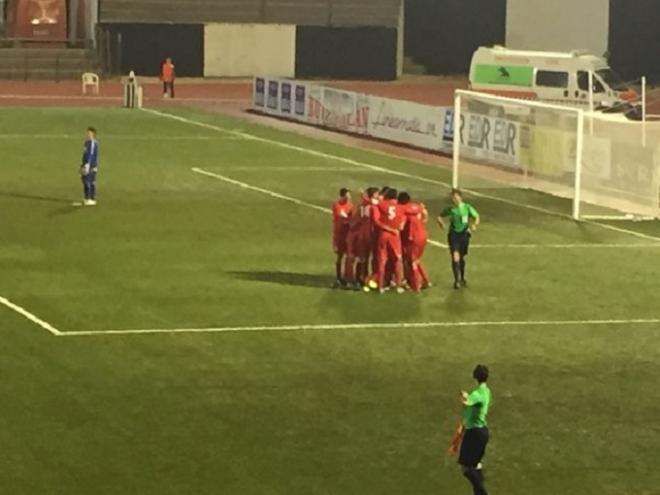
{"points": [[553, 77]]}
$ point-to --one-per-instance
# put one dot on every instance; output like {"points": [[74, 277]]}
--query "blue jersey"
{"points": [[91, 153]]}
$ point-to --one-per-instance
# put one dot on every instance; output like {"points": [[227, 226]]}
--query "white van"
{"points": [[548, 76]]}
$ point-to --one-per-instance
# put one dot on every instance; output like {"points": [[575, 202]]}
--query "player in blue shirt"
{"points": [[89, 167]]}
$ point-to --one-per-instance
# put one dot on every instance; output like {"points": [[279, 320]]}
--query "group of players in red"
{"points": [[380, 242]]}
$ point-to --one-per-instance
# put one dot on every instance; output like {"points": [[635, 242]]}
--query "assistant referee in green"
{"points": [[463, 220], [475, 438]]}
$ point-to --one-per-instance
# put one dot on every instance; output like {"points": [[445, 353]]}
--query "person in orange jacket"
{"points": [[167, 75]]}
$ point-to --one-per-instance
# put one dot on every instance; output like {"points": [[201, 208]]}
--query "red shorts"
{"points": [[359, 246], [414, 250], [389, 245], [340, 244], [340, 239]]}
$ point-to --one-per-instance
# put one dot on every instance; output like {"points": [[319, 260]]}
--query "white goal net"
{"points": [[607, 166]]}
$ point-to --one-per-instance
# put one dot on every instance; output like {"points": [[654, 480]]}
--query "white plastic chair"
{"points": [[90, 79]]}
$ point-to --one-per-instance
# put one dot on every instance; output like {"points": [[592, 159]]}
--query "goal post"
{"points": [[605, 172]]}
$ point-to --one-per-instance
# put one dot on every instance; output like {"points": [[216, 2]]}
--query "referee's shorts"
{"points": [[459, 241], [473, 447]]}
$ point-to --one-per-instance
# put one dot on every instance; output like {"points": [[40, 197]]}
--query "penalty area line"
{"points": [[30, 316], [362, 326], [299, 202], [261, 190], [376, 168]]}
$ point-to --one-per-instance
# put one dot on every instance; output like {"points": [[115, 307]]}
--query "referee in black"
{"points": [[475, 438]]}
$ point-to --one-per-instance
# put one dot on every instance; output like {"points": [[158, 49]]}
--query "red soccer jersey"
{"points": [[415, 230], [341, 215], [389, 214], [361, 223]]}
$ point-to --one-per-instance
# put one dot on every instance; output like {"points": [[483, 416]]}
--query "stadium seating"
{"points": [[302, 12], [45, 63]]}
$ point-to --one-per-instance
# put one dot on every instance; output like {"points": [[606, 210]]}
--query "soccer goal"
{"points": [[600, 162]]}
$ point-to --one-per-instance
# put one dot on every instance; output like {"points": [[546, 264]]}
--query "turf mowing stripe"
{"points": [[396, 173], [26, 314], [362, 326], [299, 202]]}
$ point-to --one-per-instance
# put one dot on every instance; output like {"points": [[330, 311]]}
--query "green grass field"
{"points": [[345, 410]]}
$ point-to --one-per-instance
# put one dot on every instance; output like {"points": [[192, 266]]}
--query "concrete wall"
{"points": [[335, 13], [239, 50], [558, 25]]}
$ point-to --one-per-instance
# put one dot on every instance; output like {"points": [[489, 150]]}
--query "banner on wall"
{"points": [[283, 98], [273, 97], [259, 99], [484, 137], [406, 122], [356, 113], [338, 109]]}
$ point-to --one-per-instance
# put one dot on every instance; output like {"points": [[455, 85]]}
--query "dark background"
{"points": [[144, 47], [346, 53], [442, 35], [635, 38]]}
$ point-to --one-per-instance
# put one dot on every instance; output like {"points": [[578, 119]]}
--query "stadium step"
{"points": [[46, 63]]}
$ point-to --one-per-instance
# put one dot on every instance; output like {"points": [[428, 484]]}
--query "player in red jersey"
{"points": [[341, 214], [414, 238], [389, 220], [360, 241], [372, 282]]}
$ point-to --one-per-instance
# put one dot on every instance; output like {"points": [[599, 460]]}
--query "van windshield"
{"points": [[612, 79]]}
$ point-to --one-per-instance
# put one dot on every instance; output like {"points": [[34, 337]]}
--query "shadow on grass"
{"points": [[34, 197], [286, 278]]}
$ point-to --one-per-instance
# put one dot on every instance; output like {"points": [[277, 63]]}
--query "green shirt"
{"points": [[476, 409], [460, 215]]}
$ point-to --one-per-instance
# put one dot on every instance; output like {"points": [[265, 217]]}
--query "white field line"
{"points": [[394, 172], [565, 246], [285, 168], [124, 137], [19, 96], [26, 314], [273, 194], [363, 326]]}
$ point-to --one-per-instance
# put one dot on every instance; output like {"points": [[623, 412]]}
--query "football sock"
{"points": [[407, 271], [423, 273], [475, 478], [358, 272], [338, 270], [397, 273], [415, 278], [349, 273], [462, 263], [456, 268], [389, 272], [380, 273]]}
